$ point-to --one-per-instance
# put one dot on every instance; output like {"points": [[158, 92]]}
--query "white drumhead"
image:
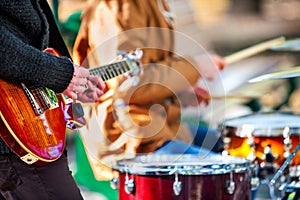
{"points": [[182, 164], [265, 124]]}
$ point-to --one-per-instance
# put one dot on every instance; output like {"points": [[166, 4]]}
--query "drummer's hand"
{"points": [[202, 95], [194, 96], [209, 66], [84, 87]]}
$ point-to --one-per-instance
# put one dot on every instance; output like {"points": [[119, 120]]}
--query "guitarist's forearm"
{"points": [[37, 68]]}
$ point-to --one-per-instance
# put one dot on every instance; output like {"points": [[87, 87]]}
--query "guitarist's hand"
{"points": [[84, 87], [95, 88]]}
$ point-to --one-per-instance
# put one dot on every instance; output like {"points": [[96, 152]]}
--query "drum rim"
{"points": [[178, 168], [258, 131]]}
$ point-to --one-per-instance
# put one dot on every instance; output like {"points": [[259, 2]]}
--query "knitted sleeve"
{"points": [[20, 62]]}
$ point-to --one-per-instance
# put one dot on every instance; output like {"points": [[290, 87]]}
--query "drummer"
{"points": [[152, 109]]}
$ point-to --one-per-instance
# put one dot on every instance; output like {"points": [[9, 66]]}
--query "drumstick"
{"points": [[250, 51]]}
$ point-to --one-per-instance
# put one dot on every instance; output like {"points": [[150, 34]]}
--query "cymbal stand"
{"points": [[280, 171], [284, 165]]}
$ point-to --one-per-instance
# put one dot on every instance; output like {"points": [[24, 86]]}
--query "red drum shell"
{"points": [[194, 187], [197, 182]]}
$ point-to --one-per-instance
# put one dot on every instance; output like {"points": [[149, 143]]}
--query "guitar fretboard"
{"points": [[112, 70]]}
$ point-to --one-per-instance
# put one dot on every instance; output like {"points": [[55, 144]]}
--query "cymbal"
{"points": [[288, 45], [290, 73]]}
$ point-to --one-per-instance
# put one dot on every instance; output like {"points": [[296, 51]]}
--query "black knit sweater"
{"points": [[27, 27]]}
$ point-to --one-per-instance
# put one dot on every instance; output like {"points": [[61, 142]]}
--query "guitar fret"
{"points": [[99, 72], [118, 69], [126, 66], [106, 73], [121, 66], [113, 71], [110, 71], [102, 74]]}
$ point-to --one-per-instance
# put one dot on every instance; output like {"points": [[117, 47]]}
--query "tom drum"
{"points": [[184, 177], [265, 137]]}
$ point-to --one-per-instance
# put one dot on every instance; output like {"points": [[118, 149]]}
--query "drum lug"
{"points": [[230, 185], [114, 183], [177, 185], [129, 185], [287, 142], [251, 143], [177, 188], [254, 181]]}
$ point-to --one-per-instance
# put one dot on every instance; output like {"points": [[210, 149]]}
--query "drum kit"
{"points": [[258, 148], [271, 142]]}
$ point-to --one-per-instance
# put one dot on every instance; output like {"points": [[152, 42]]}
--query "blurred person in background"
{"points": [[154, 105]]}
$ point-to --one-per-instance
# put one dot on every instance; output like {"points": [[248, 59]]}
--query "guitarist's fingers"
{"points": [[79, 88], [99, 93], [89, 97], [98, 82], [78, 81], [91, 85], [74, 96], [71, 94]]}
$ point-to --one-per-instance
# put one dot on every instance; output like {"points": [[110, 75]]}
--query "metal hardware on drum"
{"points": [[114, 183], [129, 185], [230, 185], [285, 164], [180, 177], [254, 181], [177, 185]]}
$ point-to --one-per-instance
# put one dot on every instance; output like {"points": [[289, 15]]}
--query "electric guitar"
{"points": [[34, 120]]}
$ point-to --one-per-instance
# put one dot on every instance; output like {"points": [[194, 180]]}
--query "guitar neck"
{"points": [[112, 70]]}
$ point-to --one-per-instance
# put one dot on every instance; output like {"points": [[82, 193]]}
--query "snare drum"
{"points": [[183, 177], [265, 137]]}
